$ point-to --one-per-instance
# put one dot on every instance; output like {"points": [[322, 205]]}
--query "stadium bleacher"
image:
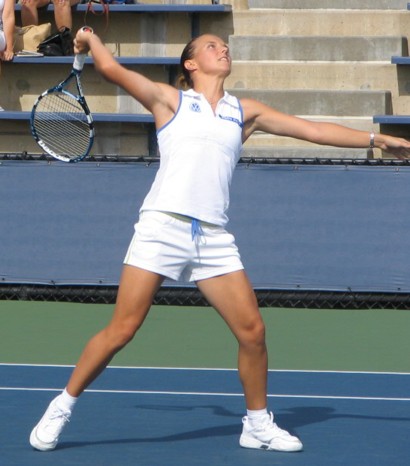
{"points": [[397, 123], [319, 59]]}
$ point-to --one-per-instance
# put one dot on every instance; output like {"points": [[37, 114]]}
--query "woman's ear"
{"points": [[190, 65]]}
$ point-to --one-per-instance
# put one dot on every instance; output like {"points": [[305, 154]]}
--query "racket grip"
{"points": [[79, 61]]}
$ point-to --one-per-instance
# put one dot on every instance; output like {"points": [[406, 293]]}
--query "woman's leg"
{"points": [[29, 13], [233, 297], [62, 13], [135, 294]]}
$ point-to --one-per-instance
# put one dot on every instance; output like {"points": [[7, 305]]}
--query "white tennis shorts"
{"points": [[2, 41], [163, 243]]}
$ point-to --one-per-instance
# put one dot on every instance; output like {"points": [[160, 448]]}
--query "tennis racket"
{"points": [[61, 122]]}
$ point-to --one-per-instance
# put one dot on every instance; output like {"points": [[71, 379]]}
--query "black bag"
{"points": [[58, 44]]}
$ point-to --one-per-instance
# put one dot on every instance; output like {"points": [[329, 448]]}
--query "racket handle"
{"points": [[79, 60]]}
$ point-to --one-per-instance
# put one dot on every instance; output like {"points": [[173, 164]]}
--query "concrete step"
{"points": [[24, 82], [111, 138], [260, 141], [363, 123], [334, 76], [316, 75], [320, 48], [323, 22], [322, 102], [318, 152], [267, 145], [330, 4], [294, 99], [262, 144]]}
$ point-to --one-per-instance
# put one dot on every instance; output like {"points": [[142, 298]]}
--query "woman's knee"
{"points": [[121, 333], [29, 8], [34, 4], [61, 4], [253, 335], [62, 7]]}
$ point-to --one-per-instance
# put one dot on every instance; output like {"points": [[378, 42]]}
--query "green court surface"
{"points": [[298, 339]]}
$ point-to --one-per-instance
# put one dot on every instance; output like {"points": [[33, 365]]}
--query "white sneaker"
{"points": [[45, 435], [268, 436]]}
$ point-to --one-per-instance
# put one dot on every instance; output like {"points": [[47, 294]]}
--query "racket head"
{"points": [[62, 125]]}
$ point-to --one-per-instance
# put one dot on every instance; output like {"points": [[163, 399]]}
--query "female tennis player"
{"points": [[181, 230]]}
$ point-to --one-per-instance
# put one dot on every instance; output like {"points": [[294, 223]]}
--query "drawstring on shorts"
{"points": [[197, 233], [196, 229]]}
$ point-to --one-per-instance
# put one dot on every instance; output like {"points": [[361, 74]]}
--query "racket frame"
{"points": [[60, 88]]}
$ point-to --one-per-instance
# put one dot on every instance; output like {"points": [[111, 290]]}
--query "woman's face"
{"points": [[211, 55]]}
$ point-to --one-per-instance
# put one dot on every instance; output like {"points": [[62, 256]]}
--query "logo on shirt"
{"points": [[229, 118], [194, 107]]}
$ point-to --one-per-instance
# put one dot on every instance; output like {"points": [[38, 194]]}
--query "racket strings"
{"points": [[62, 125]]}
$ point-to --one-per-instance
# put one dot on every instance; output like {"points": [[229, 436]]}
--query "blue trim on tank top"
{"points": [[173, 118]]}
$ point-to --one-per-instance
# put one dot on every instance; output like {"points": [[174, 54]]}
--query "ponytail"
{"points": [[184, 80], [181, 82]]}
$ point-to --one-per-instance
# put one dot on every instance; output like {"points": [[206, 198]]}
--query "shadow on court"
{"points": [[299, 417], [156, 424], [111, 430], [211, 432], [303, 416]]}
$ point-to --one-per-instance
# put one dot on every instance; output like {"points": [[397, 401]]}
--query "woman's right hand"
{"points": [[81, 40], [6, 55]]}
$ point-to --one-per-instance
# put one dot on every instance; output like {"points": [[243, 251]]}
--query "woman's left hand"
{"points": [[398, 147]]}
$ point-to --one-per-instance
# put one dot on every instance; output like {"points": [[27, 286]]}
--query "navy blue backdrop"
{"points": [[298, 227]]}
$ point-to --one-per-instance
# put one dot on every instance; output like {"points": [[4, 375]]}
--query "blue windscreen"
{"points": [[298, 227]]}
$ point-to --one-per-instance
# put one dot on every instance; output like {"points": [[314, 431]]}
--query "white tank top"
{"points": [[199, 150]]}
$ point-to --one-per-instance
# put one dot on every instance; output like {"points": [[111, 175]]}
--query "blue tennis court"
{"points": [[339, 379], [171, 416]]}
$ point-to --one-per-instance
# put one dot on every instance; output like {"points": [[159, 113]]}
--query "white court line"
{"points": [[155, 392], [296, 371]]}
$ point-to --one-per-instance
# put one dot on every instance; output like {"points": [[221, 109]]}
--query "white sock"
{"points": [[256, 415], [66, 402]]}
